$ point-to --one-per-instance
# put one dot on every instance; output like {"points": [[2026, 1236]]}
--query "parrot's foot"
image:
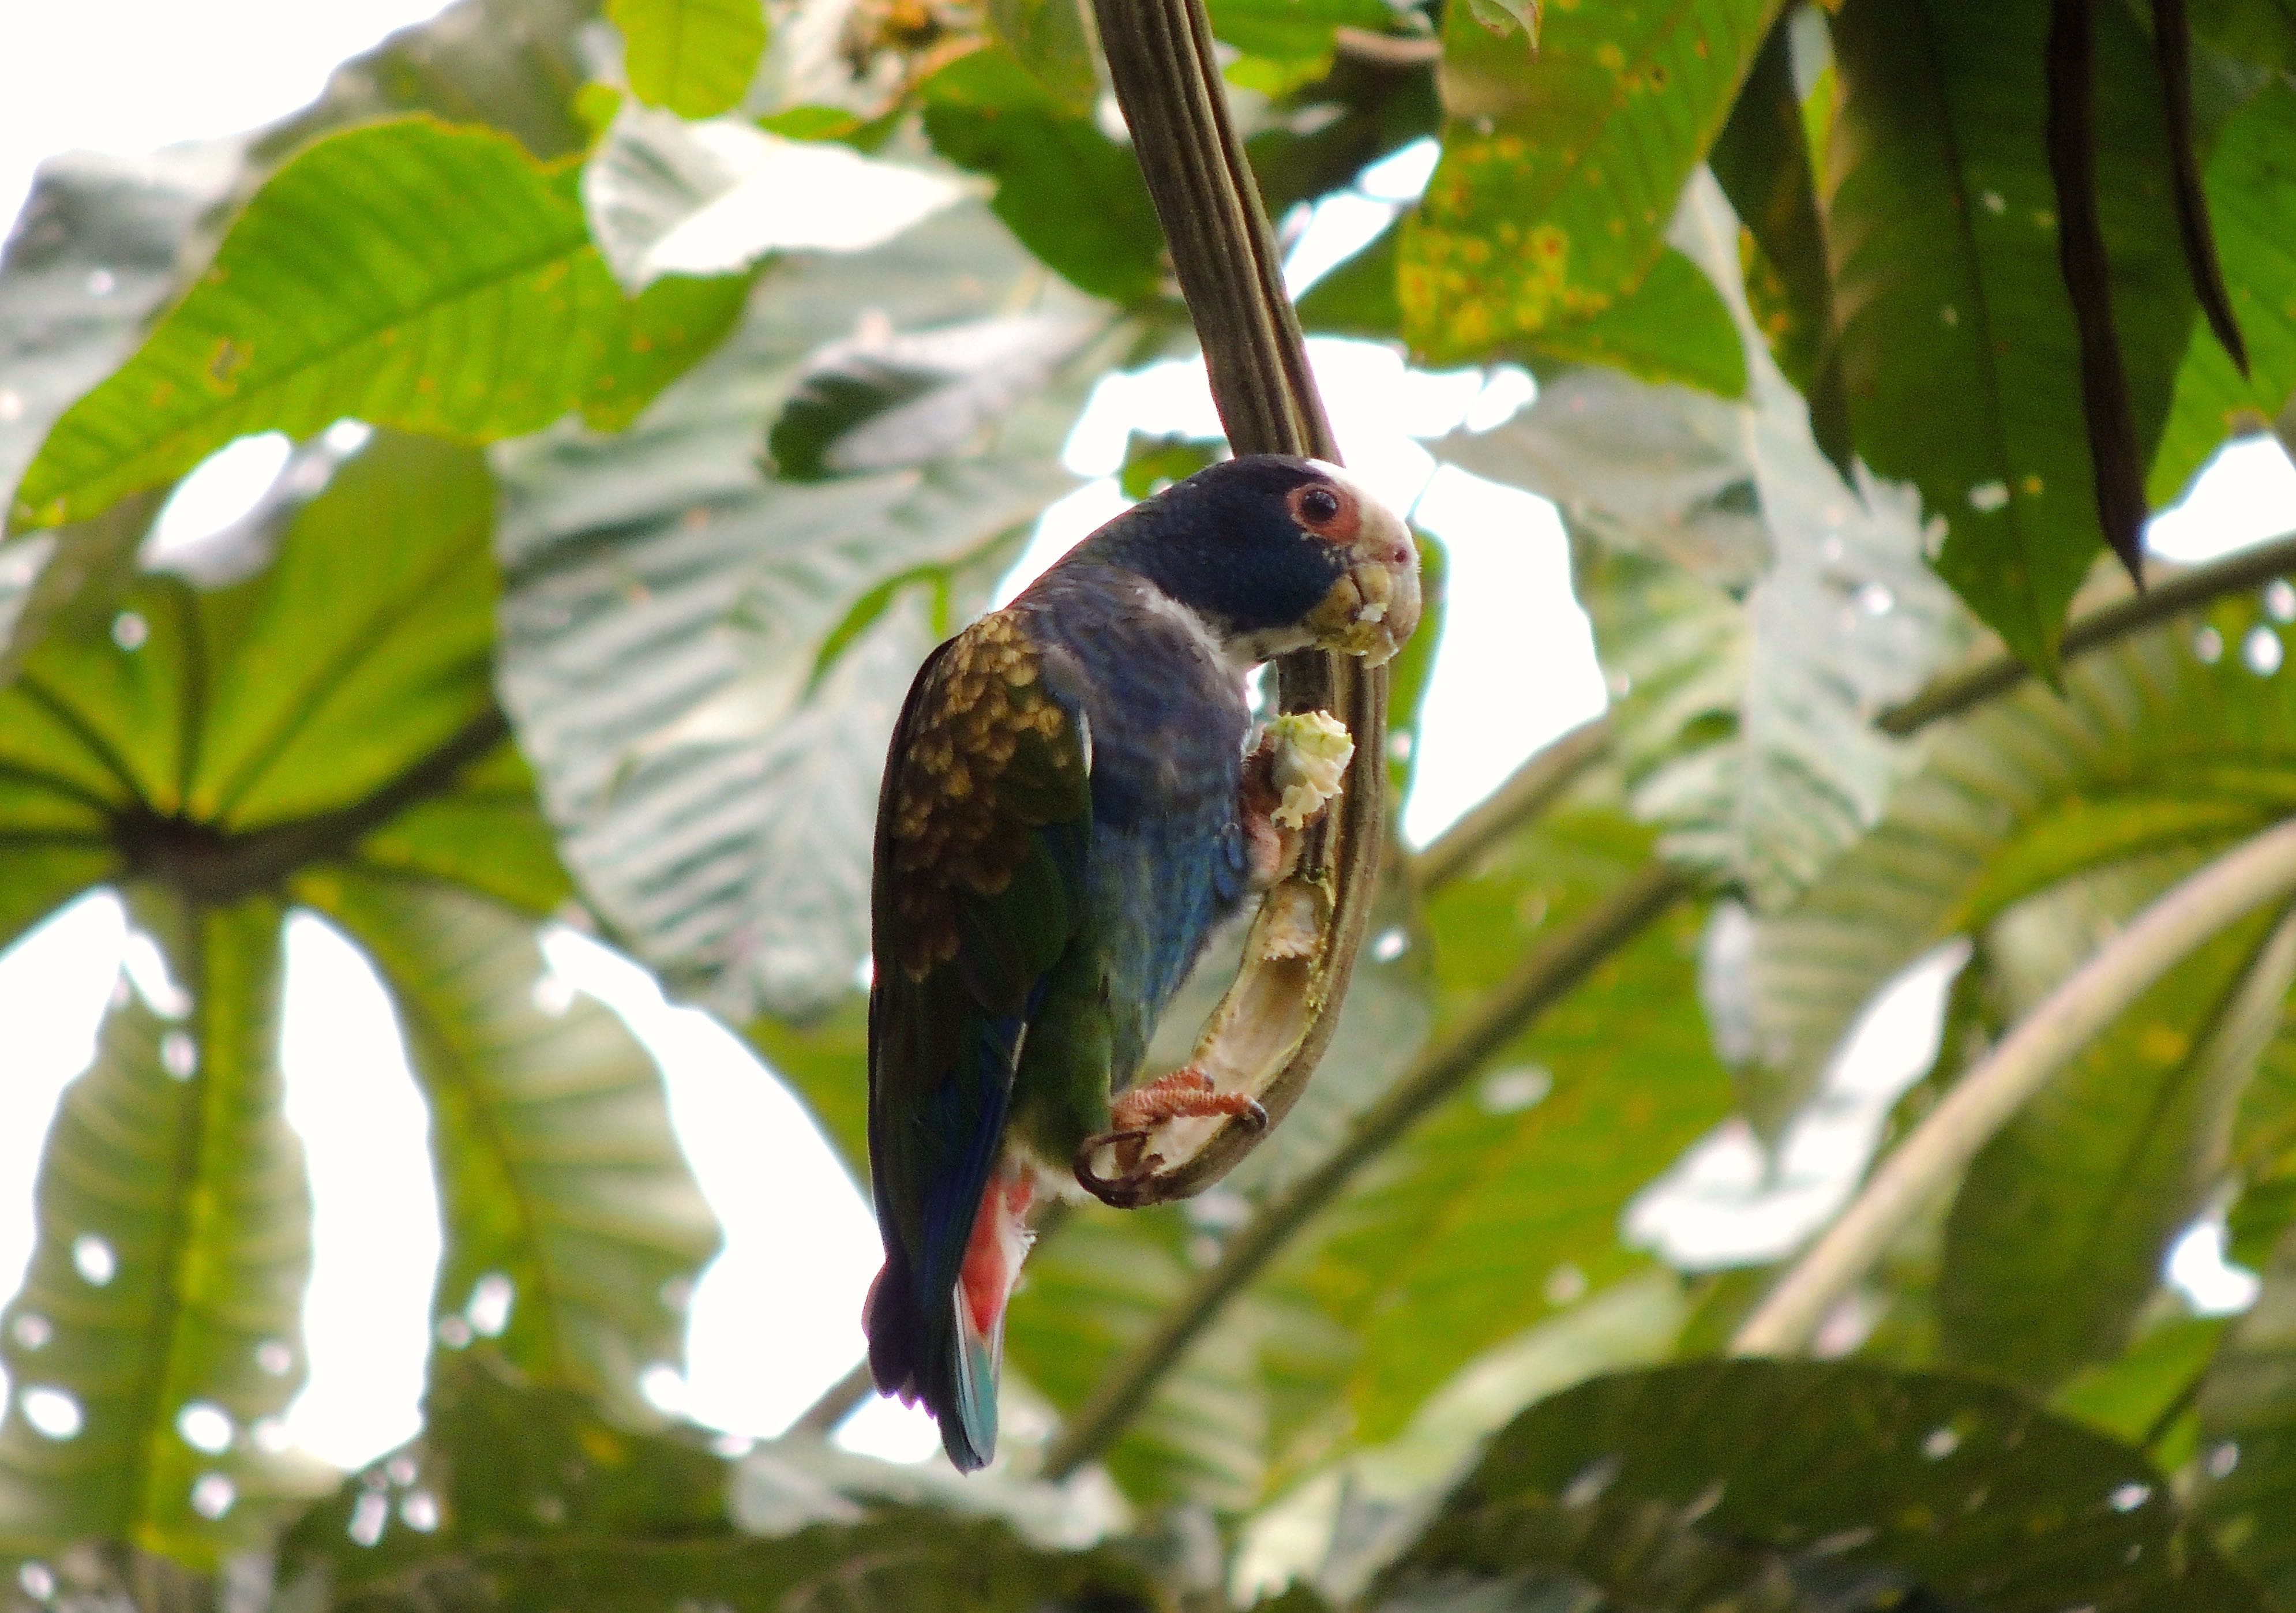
{"points": [[1184, 1094], [1289, 779]]}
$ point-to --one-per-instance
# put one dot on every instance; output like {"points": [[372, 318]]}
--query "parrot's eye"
{"points": [[1324, 510]]}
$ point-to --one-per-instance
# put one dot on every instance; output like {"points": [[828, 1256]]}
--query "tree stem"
{"points": [[2253, 873]]}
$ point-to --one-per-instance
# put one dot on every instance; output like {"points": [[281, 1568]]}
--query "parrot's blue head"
{"points": [[1274, 554]]}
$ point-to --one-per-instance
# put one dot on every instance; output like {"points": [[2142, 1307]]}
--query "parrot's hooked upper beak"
{"points": [[1373, 607]]}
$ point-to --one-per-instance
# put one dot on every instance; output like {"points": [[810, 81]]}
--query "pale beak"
{"points": [[1373, 608]]}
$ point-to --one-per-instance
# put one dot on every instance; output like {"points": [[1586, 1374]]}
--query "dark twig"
{"points": [[2172, 48], [836, 1403], [2087, 271], [1957, 692]]}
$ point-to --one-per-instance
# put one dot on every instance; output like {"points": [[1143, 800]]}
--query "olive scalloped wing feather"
{"points": [[978, 887]]}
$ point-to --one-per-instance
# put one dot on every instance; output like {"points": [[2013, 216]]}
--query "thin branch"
{"points": [[2258, 871], [1545, 974], [838, 1401], [2167, 596], [1528, 790]]}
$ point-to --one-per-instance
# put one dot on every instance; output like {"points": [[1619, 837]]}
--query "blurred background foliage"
{"points": [[666, 377]]}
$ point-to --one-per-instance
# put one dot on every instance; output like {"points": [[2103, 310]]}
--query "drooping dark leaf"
{"points": [[1793, 1485], [2082, 257], [695, 57], [158, 1336], [1942, 225], [2251, 188], [1073, 196], [2172, 47], [1151, 464], [1557, 182], [1358, 298]]}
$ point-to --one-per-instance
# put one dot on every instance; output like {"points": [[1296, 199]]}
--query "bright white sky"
{"points": [[776, 1318]]}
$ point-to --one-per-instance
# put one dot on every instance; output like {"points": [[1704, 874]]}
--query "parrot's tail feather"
{"points": [[992, 1265]]}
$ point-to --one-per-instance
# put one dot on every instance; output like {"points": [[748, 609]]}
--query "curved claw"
{"points": [[1127, 1190]]}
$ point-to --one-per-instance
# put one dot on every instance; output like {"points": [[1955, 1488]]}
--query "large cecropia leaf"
{"points": [[713, 772], [2252, 190], [2151, 749], [1802, 1486], [558, 1173], [406, 273], [1941, 221], [158, 1336], [1557, 182]]}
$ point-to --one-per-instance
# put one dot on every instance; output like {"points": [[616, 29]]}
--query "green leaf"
{"points": [[1051, 39], [2247, 1466], [1798, 1485], [408, 274], [363, 646], [696, 57], [1073, 196], [164, 1295], [674, 324], [1551, 201], [2150, 750], [557, 1168], [1358, 298], [1763, 162], [716, 786], [1671, 327], [2057, 1238], [1151, 464], [2251, 188], [1293, 30], [1942, 219]]}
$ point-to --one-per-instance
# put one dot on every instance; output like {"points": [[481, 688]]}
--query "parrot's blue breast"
{"points": [[1168, 861]]}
